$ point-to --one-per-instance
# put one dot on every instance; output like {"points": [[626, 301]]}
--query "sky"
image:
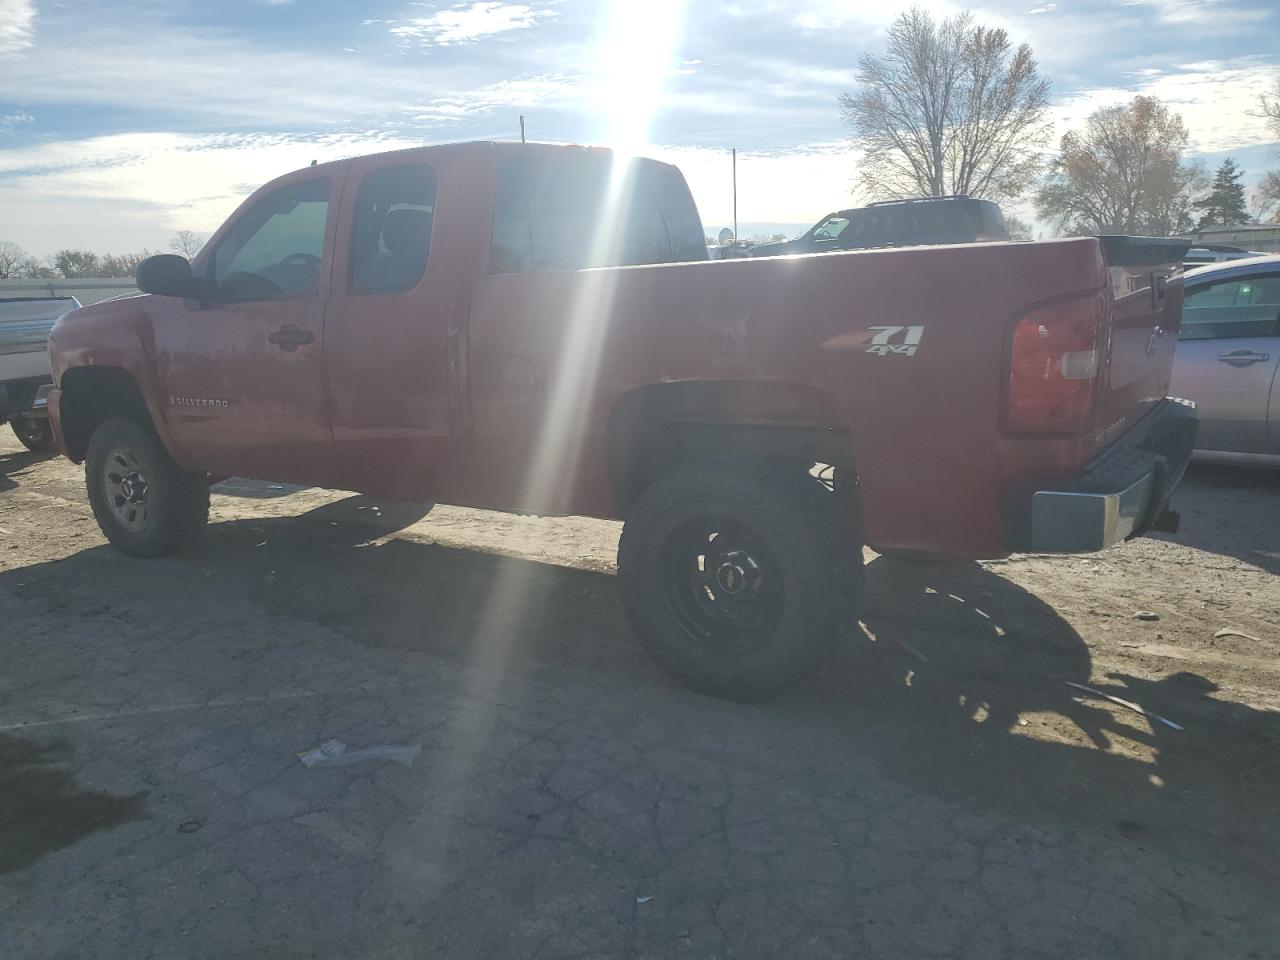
{"points": [[121, 123]]}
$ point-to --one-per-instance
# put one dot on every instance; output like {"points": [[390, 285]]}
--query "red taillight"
{"points": [[1055, 355]]}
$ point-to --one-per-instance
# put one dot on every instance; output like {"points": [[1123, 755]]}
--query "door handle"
{"points": [[291, 337], [1242, 358]]}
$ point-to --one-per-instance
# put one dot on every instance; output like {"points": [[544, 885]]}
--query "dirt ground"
{"points": [[938, 791]]}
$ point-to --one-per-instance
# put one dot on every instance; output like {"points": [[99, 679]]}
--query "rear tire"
{"points": [[144, 502], [738, 576], [34, 433]]}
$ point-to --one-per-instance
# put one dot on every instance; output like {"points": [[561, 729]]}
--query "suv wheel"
{"points": [[34, 433], [735, 576], [145, 504]]}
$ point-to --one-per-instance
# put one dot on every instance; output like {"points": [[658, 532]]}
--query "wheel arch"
{"points": [[658, 426], [91, 394]]}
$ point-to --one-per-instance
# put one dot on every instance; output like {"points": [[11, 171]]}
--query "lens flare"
{"points": [[635, 56]]}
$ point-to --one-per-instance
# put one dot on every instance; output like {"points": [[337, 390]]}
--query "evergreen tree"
{"points": [[1225, 203]]}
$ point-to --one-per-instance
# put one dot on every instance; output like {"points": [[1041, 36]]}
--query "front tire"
{"points": [[34, 433], [738, 576], [144, 502]]}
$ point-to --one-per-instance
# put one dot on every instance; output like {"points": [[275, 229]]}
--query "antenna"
{"points": [[735, 194], [522, 128]]}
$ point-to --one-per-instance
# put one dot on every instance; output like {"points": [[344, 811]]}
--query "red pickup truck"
{"points": [[527, 327]]}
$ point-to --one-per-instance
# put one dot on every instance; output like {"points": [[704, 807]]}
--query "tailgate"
{"points": [[1146, 310]]}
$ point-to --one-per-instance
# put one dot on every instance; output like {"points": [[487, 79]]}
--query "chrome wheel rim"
{"points": [[128, 492]]}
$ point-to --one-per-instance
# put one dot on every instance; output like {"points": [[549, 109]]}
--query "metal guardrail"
{"points": [[88, 290]]}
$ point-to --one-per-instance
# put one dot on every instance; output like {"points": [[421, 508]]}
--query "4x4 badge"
{"points": [[882, 344]]}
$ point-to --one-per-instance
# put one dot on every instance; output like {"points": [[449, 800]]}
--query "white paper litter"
{"points": [[334, 753]]}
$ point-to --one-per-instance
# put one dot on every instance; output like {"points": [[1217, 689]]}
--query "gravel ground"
{"points": [[938, 791]]}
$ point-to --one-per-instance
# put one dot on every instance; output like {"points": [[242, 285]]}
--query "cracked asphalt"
{"points": [[938, 791]]}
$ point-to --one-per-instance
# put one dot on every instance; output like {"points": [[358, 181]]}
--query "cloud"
{"points": [[8, 121], [469, 23], [1218, 101], [215, 79], [129, 191], [17, 26]]}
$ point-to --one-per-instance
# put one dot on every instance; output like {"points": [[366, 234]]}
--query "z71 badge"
{"points": [[902, 341]]}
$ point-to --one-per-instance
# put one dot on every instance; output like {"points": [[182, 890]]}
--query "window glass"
{"points": [[830, 228], [1243, 307], [273, 252], [510, 246], [684, 226], [565, 204], [567, 215], [391, 234], [642, 233]]}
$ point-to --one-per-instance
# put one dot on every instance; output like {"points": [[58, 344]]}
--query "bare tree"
{"points": [[1123, 173], [186, 244], [11, 258], [1267, 196], [950, 108], [1270, 102], [35, 269], [124, 264]]}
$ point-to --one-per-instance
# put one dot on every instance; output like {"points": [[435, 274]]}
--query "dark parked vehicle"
{"points": [[924, 221]]}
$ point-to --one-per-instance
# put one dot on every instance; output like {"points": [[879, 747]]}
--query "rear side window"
{"points": [[558, 215], [1241, 307], [679, 213], [391, 232], [273, 251]]}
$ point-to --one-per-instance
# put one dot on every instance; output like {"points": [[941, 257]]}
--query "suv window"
{"points": [[830, 228], [273, 251], [391, 235], [547, 217], [1240, 307]]}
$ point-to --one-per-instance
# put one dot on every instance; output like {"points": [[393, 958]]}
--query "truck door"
{"points": [[243, 374], [387, 336], [1228, 350]]}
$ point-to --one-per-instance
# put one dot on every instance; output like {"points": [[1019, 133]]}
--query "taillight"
{"points": [[1055, 355]]}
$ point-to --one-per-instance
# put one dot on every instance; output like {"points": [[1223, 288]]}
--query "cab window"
{"points": [[391, 233], [273, 252], [1240, 307], [570, 215]]}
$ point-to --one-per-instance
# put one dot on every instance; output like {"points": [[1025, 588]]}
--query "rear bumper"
{"points": [[1123, 493]]}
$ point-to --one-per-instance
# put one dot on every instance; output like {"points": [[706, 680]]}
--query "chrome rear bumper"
{"points": [[1124, 493]]}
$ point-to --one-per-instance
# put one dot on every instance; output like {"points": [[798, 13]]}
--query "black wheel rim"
{"points": [[28, 429], [127, 489], [721, 584]]}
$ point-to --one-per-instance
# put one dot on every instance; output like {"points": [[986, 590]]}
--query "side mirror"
{"points": [[166, 275]]}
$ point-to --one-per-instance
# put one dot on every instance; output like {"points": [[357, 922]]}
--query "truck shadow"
{"points": [[14, 464], [955, 681], [956, 685], [972, 672]]}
